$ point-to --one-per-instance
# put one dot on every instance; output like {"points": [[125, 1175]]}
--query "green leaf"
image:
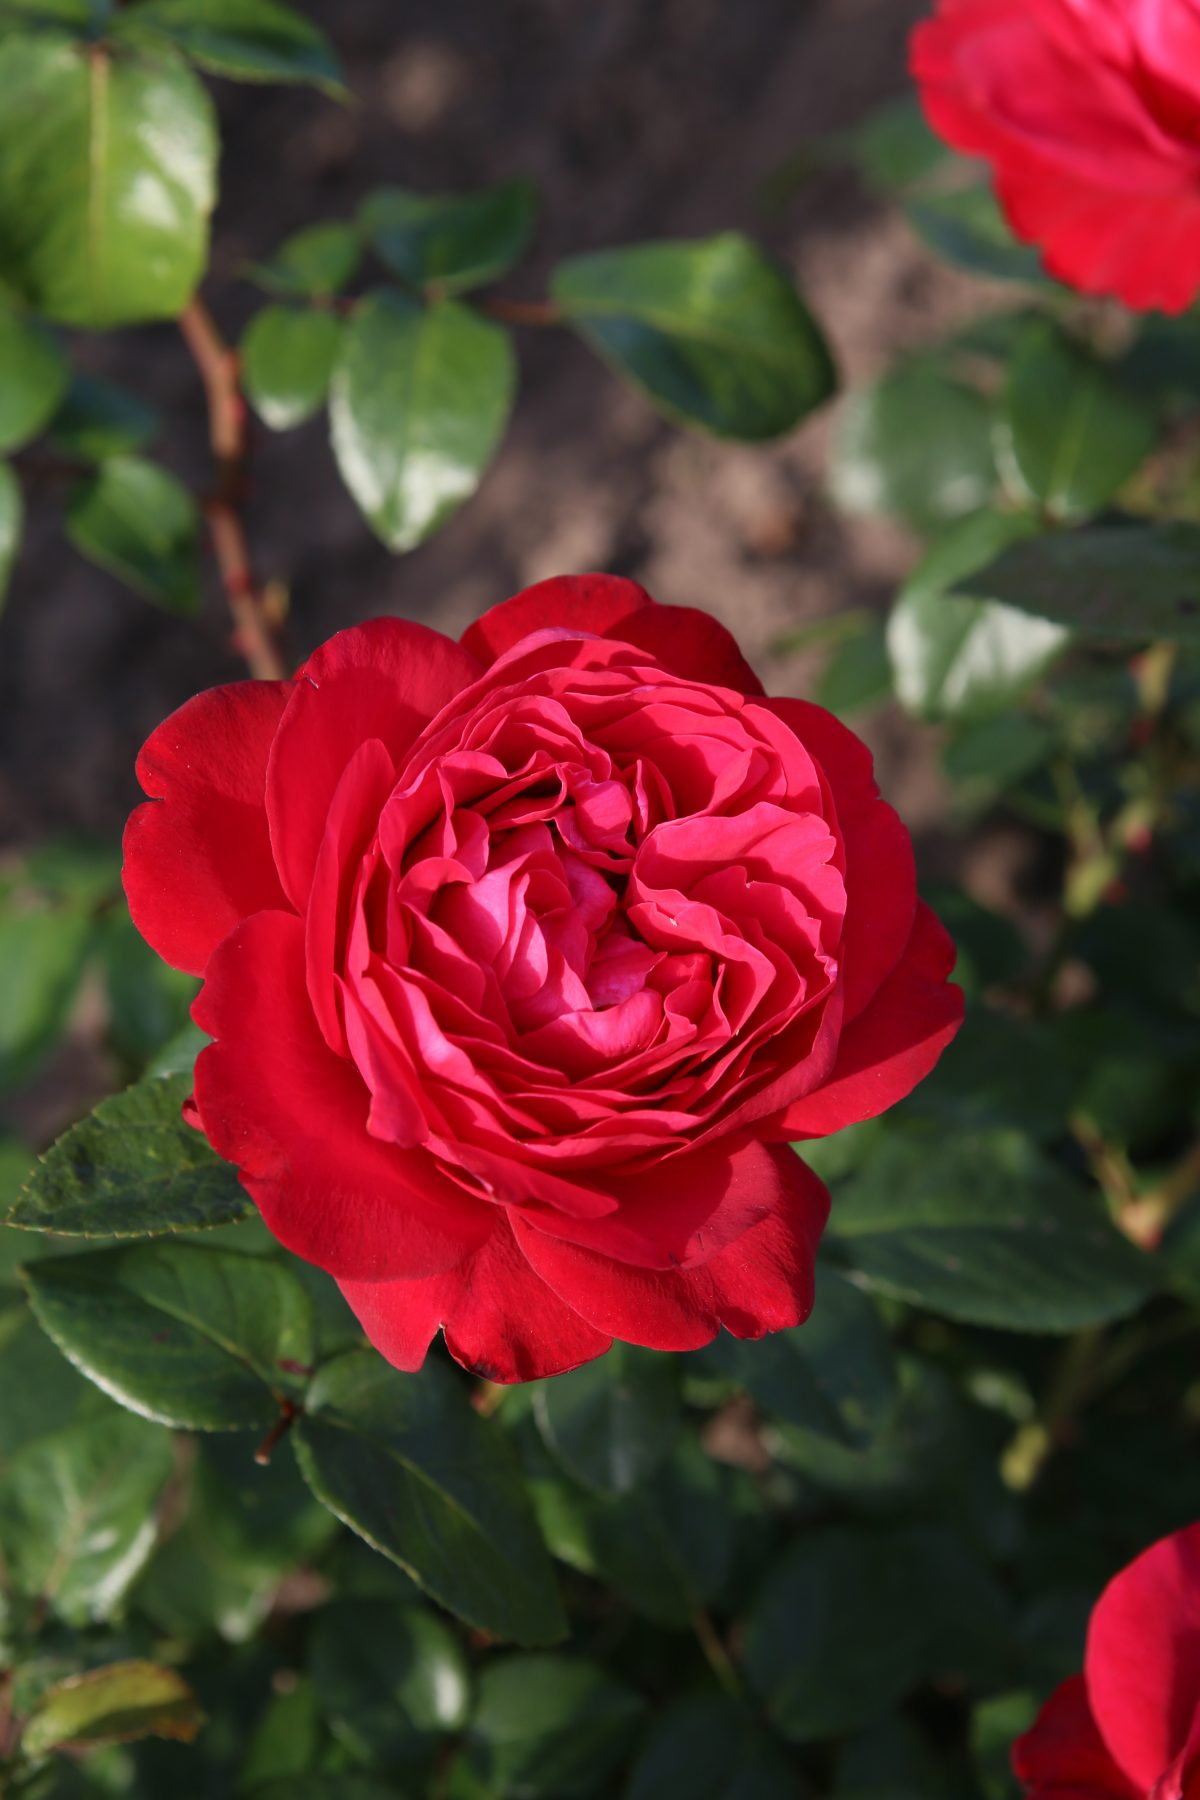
{"points": [[287, 361], [98, 420], [326, 1787], [549, 1728], [313, 264], [918, 445], [707, 1747], [107, 180], [420, 400], [852, 1619], [957, 658], [148, 1001], [983, 1228], [986, 756], [966, 227], [132, 1168], [858, 676], [140, 524], [190, 1336], [33, 377], [42, 955], [406, 1463], [1105, 581], [711, 331], [388, 1677], [450, 242], [613, 1420], [112, 1705], [77, 1512], [247, 40], [894, 149], [999, 1070], [288, 1740], [43, 1394], [12, 521], [1075, 431]]}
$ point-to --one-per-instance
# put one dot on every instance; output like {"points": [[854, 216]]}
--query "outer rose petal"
{"points": [[881, 879], [500, 1319], [690, 643], [1143, 1658], [198, 857], [1062, 1755], [761, 1282], [275, 1100], [385, 679], [891, 1046]]}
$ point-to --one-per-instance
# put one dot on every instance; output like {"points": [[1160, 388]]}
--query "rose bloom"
{"points": [[524, 957], [1128, 1728], [1089, 113]]}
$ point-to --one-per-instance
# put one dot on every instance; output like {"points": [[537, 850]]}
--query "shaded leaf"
{"points": [[916, 444], [42, 955], [107, 180], [388, 1677], [98, 419], [966, 227], [139, 523], [287, 360], [406, 1463], [132, 1168], [112, 1705], [420, 399], [33, 377], [450, 242], [548, 1728], [614, 1419], [710, 330], [247, 40], [707, 1747], [313, 264], [181, 1333]]}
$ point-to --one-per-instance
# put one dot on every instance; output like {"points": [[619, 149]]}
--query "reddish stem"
{"points": [[256, 633]]}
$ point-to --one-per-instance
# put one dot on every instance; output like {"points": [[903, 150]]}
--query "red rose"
{"points": [[1089, 113], [1128, 1728], [524, 956]]}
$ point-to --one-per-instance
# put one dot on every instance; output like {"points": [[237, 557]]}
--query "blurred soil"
{"points": [[637, 119]]}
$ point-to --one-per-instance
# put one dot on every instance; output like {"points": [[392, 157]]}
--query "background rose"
{"points": [[1088, 112], [524, 955], [1129, 1726]]}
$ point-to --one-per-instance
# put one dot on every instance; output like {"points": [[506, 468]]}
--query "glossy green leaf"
{"points": [[614, 1419], [420, 399], [708, 1747], [77, 1512], [406, 1463], [188, 1335], [287, 361], [852, 1619], [966, 227], [917, 444], [247, 40], [12, 522], [139, 523], [1075, 431], [112, 1705], [33, 378], [549, 1728], [42, 955], [132, 1168], [388, 1677], [313, 264], [1105, 581], [107, 180], [711, 330], [450, 242], [983, 1228], [954, 657], [98, 419]]}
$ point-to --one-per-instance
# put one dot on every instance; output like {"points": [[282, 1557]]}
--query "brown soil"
{"points": [[636, 120]]}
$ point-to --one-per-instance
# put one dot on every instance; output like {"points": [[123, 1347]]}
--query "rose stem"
{"points": [[256, 633]]}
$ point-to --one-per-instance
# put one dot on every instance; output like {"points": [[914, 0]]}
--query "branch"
{"points": [[256, 631], [522, 312]]}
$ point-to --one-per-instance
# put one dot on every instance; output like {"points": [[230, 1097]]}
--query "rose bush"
{"points": [[1089, 113], [1128, 1728], [524, 957]]}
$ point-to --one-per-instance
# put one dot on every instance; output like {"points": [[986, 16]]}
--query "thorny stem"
{"points": [[289, 1412], [256, 630]]}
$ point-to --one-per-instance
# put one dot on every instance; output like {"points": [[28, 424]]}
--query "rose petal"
{"points": [[198, 857], [276, 1101], [690, 643], [385, 679], [1143, 1658], [1062, 1755], [893, 1044], [592, 603], [500, 1319], [762, 1281]]}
